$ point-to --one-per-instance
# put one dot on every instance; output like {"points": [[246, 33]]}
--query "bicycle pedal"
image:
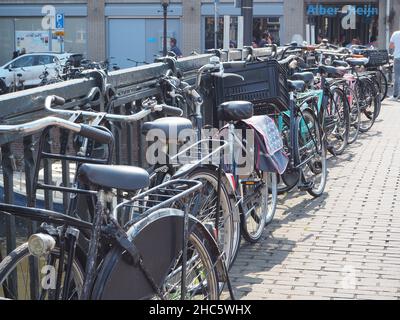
{"points": [[316, 167], [305, 186], [332, 151], [251, 182]]}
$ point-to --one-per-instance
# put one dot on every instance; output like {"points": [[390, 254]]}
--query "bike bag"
{"points": [[269, 152]]}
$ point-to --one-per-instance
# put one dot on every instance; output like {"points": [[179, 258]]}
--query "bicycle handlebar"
{"points": [[288, 59], [148, 109], [84, 130]]}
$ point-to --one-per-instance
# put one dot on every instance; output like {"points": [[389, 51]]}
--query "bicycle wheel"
{"points": [[377, 87], [383, 84], [255, 204], [310, 149], [367, 98], [159, 241], [337, 121], [354, 114], [272, 182], [204, 207], [18, 283], [290, 178]]}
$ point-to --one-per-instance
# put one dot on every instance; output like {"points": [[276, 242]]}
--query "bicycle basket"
{"points": [[265, 85], [376, 57]]}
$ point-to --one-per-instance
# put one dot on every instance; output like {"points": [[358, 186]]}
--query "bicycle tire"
{"points": [[317, 166], [249, 215], [338, 102], [10, 262], [290, 178], [354, 114], [367, 97], [384, 84], [230, 216]]}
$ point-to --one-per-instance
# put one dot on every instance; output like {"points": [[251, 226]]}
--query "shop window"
{"points": [[330, 25], [210, 32], [75, 40], [260, 25], [27, 33], [267, 24]]}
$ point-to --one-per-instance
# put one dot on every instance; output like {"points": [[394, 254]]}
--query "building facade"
{"points": [[131, 32]]}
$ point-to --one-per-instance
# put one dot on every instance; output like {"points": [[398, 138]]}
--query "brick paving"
{"points": [[344, 245]]}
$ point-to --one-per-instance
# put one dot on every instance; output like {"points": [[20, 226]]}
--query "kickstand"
{"points": [[228, 280]]}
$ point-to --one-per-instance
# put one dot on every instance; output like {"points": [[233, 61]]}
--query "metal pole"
{"points": [[240, 32], [216, 24], [227, 26], [247, 13], [165, 12], [388, 7]]}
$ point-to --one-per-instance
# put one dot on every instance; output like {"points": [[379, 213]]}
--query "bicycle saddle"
{"points": [[357, 62], [332, 72], [307, 77], [113, 177], [297, 85], [340, 63], [235, 111], [167, 129]]}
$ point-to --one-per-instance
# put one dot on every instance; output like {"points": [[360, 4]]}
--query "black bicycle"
{"points": [[163, 253]]}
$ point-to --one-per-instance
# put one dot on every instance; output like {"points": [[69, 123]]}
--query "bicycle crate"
{"points": [[377, 58], [265, 85]]}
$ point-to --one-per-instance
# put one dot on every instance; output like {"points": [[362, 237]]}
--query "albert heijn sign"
{"points": [[331, 10]]}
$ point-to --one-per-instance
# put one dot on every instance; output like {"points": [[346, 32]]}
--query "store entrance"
{"points": [[333, 23]]}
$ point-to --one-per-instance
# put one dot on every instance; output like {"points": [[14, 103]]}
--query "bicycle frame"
{"points": [[298, 103]]}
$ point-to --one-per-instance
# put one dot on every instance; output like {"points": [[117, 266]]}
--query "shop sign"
{"points": [[325, 10]]}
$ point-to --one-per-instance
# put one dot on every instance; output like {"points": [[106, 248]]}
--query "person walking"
{"points": [[395, 44], [175, 49], [266, 39]]}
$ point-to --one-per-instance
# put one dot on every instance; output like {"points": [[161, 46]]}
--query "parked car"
{"points": [[29, 67]]}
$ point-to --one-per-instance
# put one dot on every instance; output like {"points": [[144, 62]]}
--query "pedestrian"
{"points": [[175, 49], [22, 52], [15, 54], [265, 40], [354, 43], [373, 42], [320, 38], [395, 45]]}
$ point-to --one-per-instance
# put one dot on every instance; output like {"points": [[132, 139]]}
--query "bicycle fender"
{"points": [[158, 238]]}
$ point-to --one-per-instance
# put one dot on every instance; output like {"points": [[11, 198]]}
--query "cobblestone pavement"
{"points": [[345, 245]]}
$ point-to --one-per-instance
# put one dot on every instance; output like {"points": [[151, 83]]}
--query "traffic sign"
{"points": [[59, 21]]}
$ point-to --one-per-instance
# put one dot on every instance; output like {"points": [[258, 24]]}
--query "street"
{"points": [[344, 245]]}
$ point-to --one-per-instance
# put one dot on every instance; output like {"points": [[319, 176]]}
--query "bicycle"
{"points": [[116, 246], [250, 224]]}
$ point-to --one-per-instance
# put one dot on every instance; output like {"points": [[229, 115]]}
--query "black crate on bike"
{"points": [[377, 58], [265, 85]]}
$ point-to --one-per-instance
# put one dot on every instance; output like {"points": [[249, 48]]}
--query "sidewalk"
{"points": [[345, 245]]}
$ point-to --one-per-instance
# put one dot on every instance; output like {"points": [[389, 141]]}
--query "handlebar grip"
{"points": [[234, 64], [58, 100], [172, 111], [96, 134]]}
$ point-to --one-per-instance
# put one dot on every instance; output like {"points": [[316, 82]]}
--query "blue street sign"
{"points": [[60, 21]]}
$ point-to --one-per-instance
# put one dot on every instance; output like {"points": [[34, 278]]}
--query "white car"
{"points": [[30, 67]]}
